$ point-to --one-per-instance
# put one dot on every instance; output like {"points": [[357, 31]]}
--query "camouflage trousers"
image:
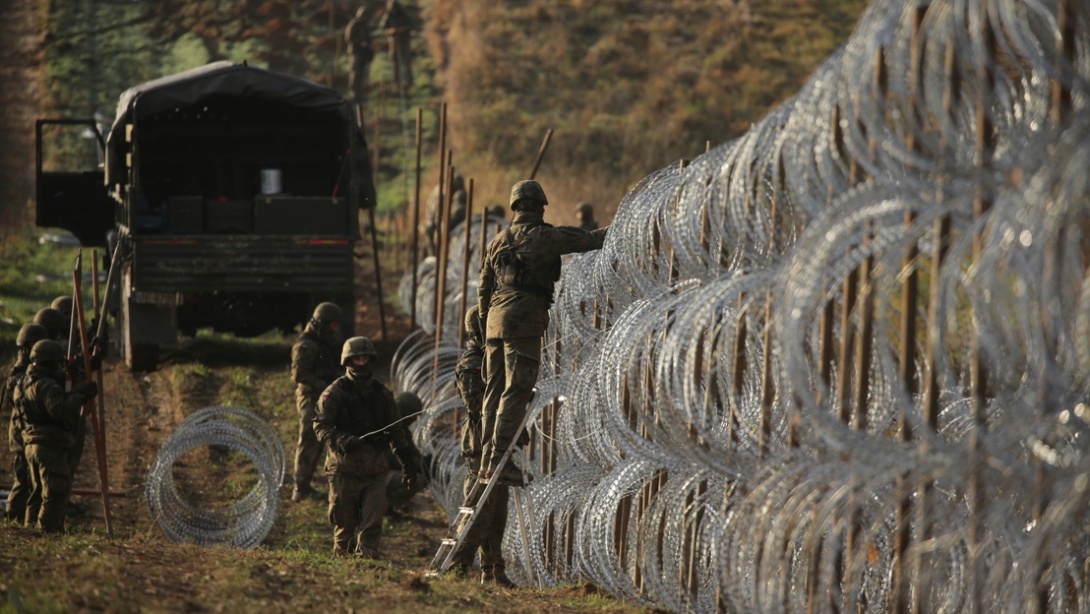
{"points": [[308, 450], [356, 507], [486, 534], [20, 488], [51, 485], [512, 367]]}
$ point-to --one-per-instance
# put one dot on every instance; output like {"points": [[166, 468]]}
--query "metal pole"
{"points": [[89, 407]]}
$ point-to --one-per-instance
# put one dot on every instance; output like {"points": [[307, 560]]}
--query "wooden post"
{"points": [[541, 152], [416, 215], [443, 261], [978, 379], [768, 390], [466, 225]]}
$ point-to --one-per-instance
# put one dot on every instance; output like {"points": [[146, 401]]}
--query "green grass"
{"points": [[32, 276]]}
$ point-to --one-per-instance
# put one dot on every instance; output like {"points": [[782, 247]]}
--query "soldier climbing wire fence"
{"points": [[840, 363]]}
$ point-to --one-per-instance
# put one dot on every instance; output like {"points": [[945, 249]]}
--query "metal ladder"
{"points": [[471, 507]]}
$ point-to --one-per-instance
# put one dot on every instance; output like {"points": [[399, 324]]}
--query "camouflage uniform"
{"points": [[355, 418], [56, 321], [314, 366], [20, 484], [486, 534], [398, 494], [432, 209], [49, 416], [357, 37], [584, 212], [399, 24], [515, 291]]}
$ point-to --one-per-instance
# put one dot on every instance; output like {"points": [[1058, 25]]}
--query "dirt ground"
{"points": [[140, 570]]}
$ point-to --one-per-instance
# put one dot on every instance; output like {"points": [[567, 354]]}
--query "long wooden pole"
{"points": [[467, 225], [541, 152], [444, 261], [89, 407], [371, 220], [416, 217]]}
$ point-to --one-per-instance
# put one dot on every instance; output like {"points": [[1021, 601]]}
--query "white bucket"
{"points": [[270, 181]]}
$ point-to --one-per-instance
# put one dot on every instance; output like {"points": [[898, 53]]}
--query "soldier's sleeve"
{"points": [[304, 361], [60, 405], [401, 442], [485, 284], [325, 420], [574, 240]]}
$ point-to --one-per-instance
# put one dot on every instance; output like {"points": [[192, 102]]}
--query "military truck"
{"points": [[234, 193]]}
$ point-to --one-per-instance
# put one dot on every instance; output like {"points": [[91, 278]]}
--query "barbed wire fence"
{"points": [[839, 363]]}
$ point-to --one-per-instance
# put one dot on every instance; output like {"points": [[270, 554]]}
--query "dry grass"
{"points": [[628, 87]]}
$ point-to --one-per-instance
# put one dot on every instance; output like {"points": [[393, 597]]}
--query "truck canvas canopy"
{"points": [[169, 114]]}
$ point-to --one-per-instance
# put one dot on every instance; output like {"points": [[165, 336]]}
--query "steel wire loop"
{"points": [[243, 524]]}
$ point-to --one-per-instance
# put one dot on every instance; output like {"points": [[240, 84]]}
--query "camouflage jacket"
{"points": [[7, 399], [467, 373], [347, 411], [314, 363], [48, 413], [520, 271]]}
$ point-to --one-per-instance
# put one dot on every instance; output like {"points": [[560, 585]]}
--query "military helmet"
{"points": [[325, 313], [528, 190], [585, 208], [62, 304], [357, 346], [47, 352], [459, 182], [497, 211], [408, 403], [30, 334], [53, 321], [473, 321]]}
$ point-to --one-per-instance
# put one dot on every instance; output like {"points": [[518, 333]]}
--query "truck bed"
{"points": [[241, 263]]}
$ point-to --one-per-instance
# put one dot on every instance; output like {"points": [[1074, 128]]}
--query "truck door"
{"points": [[71, 189]]}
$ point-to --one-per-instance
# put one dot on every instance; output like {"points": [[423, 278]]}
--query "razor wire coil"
{"points": [[243, 524]]}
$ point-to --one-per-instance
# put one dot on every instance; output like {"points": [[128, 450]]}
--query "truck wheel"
{"points": [[143, 357]]}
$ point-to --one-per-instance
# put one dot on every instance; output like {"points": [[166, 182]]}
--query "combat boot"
{"points": [[497, 576], [511, 475], [302, 493]]}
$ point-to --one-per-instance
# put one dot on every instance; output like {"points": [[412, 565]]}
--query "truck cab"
{"points": [[235, 195]]}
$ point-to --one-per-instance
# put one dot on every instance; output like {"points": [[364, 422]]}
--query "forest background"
{"points": [[627, 86]]}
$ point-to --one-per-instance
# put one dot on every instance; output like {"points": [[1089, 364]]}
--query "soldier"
{"points": [[55, 323], [515, 291], [314, 366], [398, 494], [57, 320], [357, 37], [357, 418], [399, 24], [48, 415], [487, 531], [432, 221], [584, 212], [29, 334]]}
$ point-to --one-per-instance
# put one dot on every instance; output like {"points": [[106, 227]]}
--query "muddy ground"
{"points": [[139, 569]]}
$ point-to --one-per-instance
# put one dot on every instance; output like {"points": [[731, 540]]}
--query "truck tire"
{"points": [[144, 327], [142, 356]]}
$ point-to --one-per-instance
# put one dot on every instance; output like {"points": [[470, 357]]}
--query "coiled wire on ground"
{"points": [[243, 524]]}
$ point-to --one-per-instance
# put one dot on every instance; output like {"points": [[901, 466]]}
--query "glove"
{"points": [[353, 443], [409, 480], [88, 390], [96, 362]]}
